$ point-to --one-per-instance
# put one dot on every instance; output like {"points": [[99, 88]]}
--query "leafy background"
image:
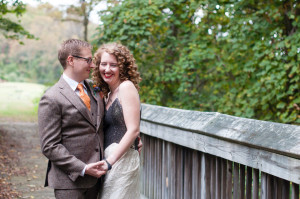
{"points": [[235, 57]]}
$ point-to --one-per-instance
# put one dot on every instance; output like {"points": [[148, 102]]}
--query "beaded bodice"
{"points": [[114, 124]]}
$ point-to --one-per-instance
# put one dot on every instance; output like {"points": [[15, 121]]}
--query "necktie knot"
{"points": [[85, 98], [80, 87]]}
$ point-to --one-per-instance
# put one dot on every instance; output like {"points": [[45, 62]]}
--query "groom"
{"points": [[71, 128]]}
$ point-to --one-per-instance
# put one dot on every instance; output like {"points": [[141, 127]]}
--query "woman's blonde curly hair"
{"points": [[126, 64]]}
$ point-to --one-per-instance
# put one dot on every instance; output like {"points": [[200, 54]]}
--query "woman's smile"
{"points": [[107, 75]]}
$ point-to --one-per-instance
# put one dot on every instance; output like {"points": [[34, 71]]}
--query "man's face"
{"points": [[81, 65]]}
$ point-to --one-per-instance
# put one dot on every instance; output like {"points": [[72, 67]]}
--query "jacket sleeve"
{"points": [[50, 128]]}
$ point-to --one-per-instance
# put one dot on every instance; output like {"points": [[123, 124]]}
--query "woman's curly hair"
{"points": [[126, 64]]}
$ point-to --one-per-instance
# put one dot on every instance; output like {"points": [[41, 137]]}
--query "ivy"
{"points": [[236, 57]]}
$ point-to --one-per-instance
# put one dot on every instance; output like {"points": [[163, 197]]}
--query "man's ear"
{"points": [[70, 60]]}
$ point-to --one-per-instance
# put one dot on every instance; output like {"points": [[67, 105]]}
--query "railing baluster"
{"points": [[179, 180], [236, 189], [249, 183], [190, 154], [263, 185], [218, 178], [213, 177], [285, 189], [165, 171], [223, 178], [229, 180], [242, 181], [187, 174], [196, 175], [295, 191], [255, 183], [172, 168]]}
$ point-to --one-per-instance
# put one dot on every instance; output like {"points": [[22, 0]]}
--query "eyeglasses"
{"points": [[88, 60]]}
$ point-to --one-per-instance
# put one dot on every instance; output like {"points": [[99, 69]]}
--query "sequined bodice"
{"points": [[114, 124]]}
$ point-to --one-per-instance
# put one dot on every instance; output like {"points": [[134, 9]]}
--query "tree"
{"points": [[236, 57], [10, 29], [82, 13]]}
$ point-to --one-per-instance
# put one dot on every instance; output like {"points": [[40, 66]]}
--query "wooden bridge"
{"points": [[200, 155]]}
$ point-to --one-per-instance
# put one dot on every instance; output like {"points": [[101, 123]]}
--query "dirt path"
{"points": [[22, 164]]}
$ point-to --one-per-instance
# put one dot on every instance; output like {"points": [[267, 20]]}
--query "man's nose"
{"points": [[92, 65]]}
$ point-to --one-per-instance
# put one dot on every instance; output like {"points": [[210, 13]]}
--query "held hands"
{"points": [[100, 168], [96, 169], [105, 165]]}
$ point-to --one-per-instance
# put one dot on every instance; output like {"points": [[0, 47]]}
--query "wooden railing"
{"points": [[190, 154]]}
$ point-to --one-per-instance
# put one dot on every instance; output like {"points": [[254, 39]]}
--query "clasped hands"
{"points": [[96, 169], [100, 168]]}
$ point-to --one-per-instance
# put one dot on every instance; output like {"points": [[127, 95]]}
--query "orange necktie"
{"points": [[85, 98]]}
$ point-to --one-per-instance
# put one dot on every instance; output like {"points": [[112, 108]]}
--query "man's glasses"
{"points": [[88, 60]]}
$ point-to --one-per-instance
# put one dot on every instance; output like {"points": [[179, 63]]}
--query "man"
{"points": [[70, 126]]}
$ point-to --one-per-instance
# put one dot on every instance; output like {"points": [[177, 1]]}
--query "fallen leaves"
{"points": [[8, 166]]}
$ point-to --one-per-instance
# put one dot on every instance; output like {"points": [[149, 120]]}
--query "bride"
{"points": [[117, 76]]}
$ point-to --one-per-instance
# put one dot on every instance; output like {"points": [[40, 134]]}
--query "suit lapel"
{"points": [[89, 86], [73, 98], [100, 107]]}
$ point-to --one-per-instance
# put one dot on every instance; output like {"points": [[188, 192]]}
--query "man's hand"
{"points": [[95, 169], [104, 166], [140, 145]]}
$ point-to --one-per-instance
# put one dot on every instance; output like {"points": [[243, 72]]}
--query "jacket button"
{"points": [[96, 150]]}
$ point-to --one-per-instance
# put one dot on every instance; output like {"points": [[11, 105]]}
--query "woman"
{"points": [[117, 76]]}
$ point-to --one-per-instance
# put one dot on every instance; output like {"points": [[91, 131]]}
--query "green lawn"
{"points": [[19, 101]]}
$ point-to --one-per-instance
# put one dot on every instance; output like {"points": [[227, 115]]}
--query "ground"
{"points": [[22, 164]]}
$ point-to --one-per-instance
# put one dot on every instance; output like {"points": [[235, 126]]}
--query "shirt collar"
{"points": [[72, 83]]}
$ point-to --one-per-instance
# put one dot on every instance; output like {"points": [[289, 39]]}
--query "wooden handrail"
{"points": [[270, 148]]}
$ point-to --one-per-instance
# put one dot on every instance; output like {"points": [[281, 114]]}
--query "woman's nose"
{"points": [[107, 68]]}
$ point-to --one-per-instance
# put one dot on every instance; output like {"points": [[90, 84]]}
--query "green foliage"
{"points": [[236, 57], [8, 28]]}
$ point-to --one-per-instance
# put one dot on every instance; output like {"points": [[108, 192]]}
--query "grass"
{"points": [[19, 101]]}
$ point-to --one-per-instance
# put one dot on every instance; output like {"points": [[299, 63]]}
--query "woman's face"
{"points": [[109, 70]]}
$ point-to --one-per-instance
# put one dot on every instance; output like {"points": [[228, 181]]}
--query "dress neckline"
{"points": [[107, 109]]}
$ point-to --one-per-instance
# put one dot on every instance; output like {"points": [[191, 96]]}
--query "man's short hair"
{"points": [[71, 47]]}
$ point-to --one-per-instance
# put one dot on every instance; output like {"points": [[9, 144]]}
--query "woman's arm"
{"points": [[129, 99]]}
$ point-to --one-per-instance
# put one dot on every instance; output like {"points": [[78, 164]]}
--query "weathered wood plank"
{"points": [[236, 185], [249, 183], [268, 162], [168, 168], [205, 176], [242, 181], [255, 183], [269, 187], [212, 176], [172, 169], [196, 175], [179, 185], [223, 178], [218, 177], [229, 180], [152, 158], [277, 137], [159, 170], [263, 185], [187, 173], [295, 191], [165, 181], [285, 189]]}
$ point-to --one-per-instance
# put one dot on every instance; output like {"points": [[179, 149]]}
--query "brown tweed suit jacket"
{"points": [[71, 135]]}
